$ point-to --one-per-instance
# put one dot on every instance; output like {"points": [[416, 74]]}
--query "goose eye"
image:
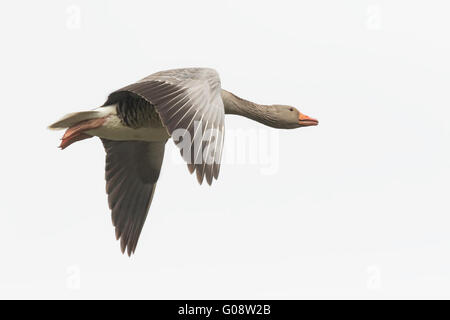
{"points": [[291, 109]]}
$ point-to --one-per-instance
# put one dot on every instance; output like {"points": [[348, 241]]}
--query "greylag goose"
{"points": [[136, 121]]}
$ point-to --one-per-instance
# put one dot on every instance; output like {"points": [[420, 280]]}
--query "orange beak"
{"points": [[306, 121]]}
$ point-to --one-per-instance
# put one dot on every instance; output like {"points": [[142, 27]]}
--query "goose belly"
{"points": [[113, 129]]}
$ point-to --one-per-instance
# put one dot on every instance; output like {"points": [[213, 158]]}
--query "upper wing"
{"points": [[132, 169], [190, 106]]}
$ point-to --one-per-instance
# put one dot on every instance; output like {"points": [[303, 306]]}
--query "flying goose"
{"points": [[136, 121]]}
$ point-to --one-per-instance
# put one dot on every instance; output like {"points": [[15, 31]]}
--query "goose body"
{"points": [[134, 124], [117, 129]]}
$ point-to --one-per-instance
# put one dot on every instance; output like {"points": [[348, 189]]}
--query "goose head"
{"points": [[288, 117]]}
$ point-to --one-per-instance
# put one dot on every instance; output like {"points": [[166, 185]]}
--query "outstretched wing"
{"points": [[190, 106], [132, 169]]}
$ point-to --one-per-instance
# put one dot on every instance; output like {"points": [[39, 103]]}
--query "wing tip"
{"points": [[126, 246]]}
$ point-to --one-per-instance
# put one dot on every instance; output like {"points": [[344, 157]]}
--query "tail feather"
{"points": [[78, 122], [72, 119]]}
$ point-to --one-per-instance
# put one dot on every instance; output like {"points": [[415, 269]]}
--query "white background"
{"points": [[358, 207]]}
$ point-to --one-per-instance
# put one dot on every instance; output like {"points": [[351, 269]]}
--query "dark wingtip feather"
{"points": [[118, 233], [216, 170], [122, 246], [209, 174], [199, 174], [129, 251], [125, 246]]}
